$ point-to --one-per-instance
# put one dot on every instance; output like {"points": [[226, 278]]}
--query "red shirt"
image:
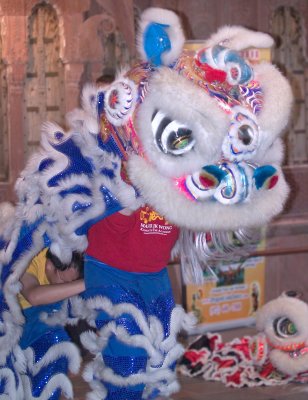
{"points": [[140, 242]]}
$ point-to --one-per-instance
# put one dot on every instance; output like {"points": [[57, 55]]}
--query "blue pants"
{"points": [[151, 296]]}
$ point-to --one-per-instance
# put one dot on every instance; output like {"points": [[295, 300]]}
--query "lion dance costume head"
{"points": [[283, 337], [201, 131], [196, 136]]}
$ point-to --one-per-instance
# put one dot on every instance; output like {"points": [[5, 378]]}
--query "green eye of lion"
{"points": [[179, 140], [284, 327], [171, 136]]}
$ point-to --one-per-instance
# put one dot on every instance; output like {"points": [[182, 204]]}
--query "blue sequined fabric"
{"points": [[162, 308], [60, 365], [126, 366], [141, 296], [127, 360], [124, 393]]}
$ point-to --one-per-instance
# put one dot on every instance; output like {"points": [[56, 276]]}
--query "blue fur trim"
{"points": [[156, 42]]}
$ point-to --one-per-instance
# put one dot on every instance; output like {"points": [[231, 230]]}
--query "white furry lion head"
{"points": [[199, 133]]}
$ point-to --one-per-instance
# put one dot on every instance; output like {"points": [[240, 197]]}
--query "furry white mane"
{"points": [[239, 38]]}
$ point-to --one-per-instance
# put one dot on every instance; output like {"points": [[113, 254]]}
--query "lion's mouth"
{"points": [[226, 182], [299, 352]]}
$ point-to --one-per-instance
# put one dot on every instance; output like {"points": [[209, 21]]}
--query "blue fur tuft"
{"points": [[156, 42]]}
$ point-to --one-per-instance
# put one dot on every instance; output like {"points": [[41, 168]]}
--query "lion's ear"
{"points": [[160, 38], [239, 38]]}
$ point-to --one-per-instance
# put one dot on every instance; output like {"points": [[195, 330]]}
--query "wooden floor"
{"points": [[198, 389]]}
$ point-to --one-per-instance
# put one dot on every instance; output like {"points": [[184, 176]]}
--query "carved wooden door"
{"points": [[289, 56], [4, 161], [44, 94]]}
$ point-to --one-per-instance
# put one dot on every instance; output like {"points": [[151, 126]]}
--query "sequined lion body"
{"points": [[194, 136]]}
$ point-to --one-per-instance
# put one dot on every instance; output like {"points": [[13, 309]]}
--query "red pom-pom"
{"points": [[212, 74]]}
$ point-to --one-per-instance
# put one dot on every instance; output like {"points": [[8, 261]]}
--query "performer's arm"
{"points": [[37, 294]]}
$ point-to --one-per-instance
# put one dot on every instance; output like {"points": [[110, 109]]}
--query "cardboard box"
{"points": [[253, 55], [230, 300]]}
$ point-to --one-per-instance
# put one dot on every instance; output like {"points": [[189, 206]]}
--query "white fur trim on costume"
{"points": [[90, 373], [78, 120], [79, 309], [63, 349], [43, 205], [207, 215], [13, 319], [65, 233], [11, 333], [66, 349], [89, 99], [103, 303], [161, 351], [58, 317], [165, 389], [239, 38], [288, 365], [56, 381], [175, 32], [20, 359], [106, 374], [277, 103], [10, 390]]}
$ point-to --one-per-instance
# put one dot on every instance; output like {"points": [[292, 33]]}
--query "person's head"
{"points": [[105, 80], [66, 272]]}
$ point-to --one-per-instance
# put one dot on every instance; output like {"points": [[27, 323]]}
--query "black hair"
{"points": [[105, 79], [77, 262]]}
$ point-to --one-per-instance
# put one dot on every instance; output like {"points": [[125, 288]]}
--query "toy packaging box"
{"points": [[230, 299], [254, 55]]}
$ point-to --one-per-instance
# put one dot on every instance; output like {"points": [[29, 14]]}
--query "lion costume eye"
{"points": [[171, 137], [284, 327], [245, 134], [243, 137]]}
